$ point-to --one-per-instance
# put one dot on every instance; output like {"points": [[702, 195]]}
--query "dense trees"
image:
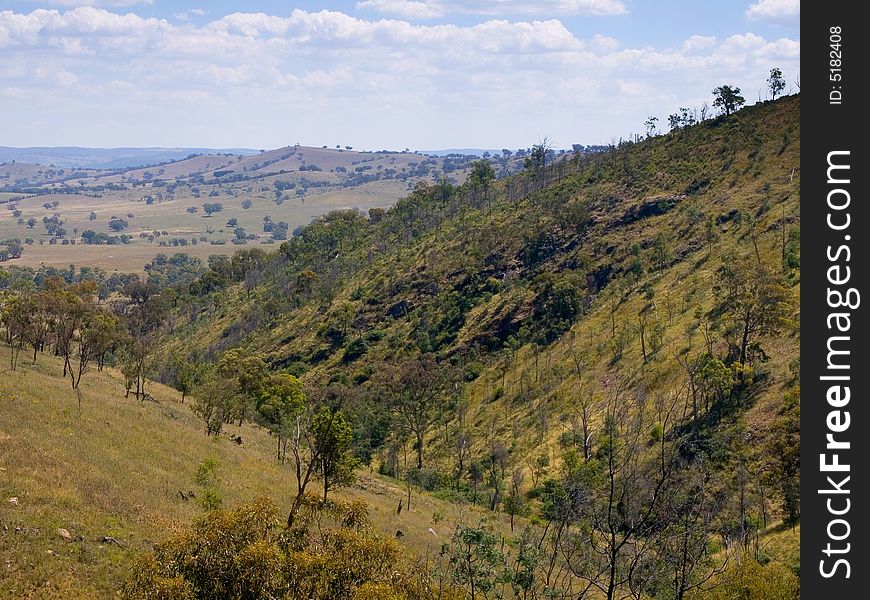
{"points": [[65, 318]]}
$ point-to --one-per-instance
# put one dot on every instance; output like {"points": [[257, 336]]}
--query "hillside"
{"points": [[114, 467], [593, 365], [631, 238], [653, 288]]}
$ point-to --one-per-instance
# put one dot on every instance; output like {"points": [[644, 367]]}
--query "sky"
{"points": [[375, 74]]}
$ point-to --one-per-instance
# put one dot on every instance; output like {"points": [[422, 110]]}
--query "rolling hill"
{"points": [[597, 356], [292, 185]]}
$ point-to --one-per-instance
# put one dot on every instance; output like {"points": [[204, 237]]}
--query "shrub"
{"points": [[248, 553]]}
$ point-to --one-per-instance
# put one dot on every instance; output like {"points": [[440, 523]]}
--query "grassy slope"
{"points": [[751, 164], [115, 467]]}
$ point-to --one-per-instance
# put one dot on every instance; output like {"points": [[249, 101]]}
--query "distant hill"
{"points": [[106, 158]]}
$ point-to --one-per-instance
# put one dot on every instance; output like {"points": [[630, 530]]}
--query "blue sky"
{"points": [[424, 74]]}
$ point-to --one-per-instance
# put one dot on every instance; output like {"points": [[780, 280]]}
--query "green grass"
{"points": [[115, 467]]}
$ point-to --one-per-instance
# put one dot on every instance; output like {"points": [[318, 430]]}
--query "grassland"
{"points": [[108, 466]]}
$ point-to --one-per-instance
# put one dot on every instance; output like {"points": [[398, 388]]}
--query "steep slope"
{"points": [[518, 282]]}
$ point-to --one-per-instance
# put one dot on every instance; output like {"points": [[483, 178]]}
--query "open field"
{"points": [[172, 218], [163, 204]]}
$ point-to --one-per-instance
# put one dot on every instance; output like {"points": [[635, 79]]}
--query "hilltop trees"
{"points": [[537, 158], [728, 98], [479, 181], [775, 83]]}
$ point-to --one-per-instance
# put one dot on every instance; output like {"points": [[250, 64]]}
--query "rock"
{"points": [[50, 552], [64, 534], [13, 501], [432, 531]]}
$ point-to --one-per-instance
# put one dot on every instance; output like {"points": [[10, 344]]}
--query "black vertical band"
{"points": [[835, 373]]}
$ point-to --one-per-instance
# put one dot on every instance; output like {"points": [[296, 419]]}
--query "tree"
{"points": [[31, 222], [476, 563], [776, 82], [412, 388], [116, 224], [785, 452], [753, 301], [479, 180], [281, 399], [333, 435], [651, 124], [320, 441], [142, 316], [515, 502], [185, 374], [279, 230], [614, 501], [214, 401], [728, 98], [246, 373], [537, 158], [97, 335], [209, 208], [246, 204]]}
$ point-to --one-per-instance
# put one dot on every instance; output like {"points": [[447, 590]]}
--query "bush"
{"points": [[248, 553], [355, 350], [211, 499]]}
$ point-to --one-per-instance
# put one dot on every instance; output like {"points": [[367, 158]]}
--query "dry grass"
{"points": [[115, 467]]}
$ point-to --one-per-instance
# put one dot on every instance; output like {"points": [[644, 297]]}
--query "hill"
{"points": [[105, 466], [143, 211], [104, 158], [659, 274], [600, 353]]}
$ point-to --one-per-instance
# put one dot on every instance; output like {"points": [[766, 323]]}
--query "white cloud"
{"points": [[406, 9], [699, 42], [316, 76], [775, 11], [109, 3], [427, 9]]}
